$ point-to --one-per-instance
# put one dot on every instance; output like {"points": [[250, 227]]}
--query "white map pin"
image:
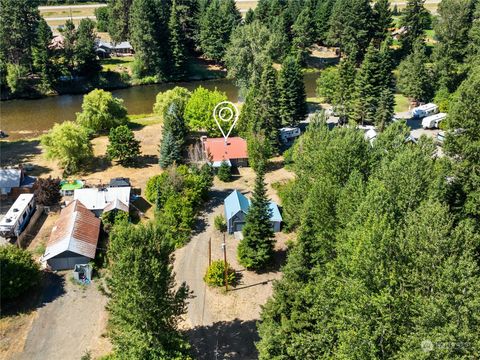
{"points": [[227, 112]]}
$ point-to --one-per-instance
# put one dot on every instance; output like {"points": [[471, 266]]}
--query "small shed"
{"points": [[120, 182], [73, 239], [236, 208]]}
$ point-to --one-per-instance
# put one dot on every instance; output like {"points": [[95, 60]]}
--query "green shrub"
{"points": [[220, 223], [215, 275], [288, 156], [113, 217], [18, 270], [224, 172]]}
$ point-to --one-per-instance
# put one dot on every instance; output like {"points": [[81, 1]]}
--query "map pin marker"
{"points": [[225, 112]]}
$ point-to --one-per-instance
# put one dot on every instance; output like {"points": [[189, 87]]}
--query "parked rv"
{"points": [[17, 217], [288, 134], [424, 110], [432, 122]]}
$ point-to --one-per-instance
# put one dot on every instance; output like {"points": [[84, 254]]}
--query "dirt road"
{"points": [[223, 325], [70, 323]]}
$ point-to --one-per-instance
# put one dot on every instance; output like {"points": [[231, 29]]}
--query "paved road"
{"points": [[68, 7], [65, 18]]}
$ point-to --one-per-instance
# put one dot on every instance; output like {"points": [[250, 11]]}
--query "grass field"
{"points": [[401, 103]]}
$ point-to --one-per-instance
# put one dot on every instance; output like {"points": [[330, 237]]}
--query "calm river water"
{"points": [[30, 118]]}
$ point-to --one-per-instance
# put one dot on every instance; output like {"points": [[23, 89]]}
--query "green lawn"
{"points": [[116, 63], [401, 103]]}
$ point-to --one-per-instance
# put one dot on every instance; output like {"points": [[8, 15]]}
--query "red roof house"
{"points": [[233, 151]]}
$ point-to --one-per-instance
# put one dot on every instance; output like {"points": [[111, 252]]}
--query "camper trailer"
{"points": [[424, 110], [16, 218], [288, 134], [432, 122]]}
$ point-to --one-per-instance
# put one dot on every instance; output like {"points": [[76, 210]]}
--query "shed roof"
{"points": [[275, 212], [76, 230], [10, 178], [233, 148]]}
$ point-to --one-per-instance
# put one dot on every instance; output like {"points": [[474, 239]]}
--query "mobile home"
{"points": [[16, 218], [432, 122], [424, 110]]}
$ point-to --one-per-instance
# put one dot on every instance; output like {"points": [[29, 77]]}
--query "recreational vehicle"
{"points": [[289, 133], [424, 110], [431, 122], [16, 218]]}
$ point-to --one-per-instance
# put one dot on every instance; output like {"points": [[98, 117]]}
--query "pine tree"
{"points": [[474, 34], [149, 35], [322, 19], [119, 16], [292, 98], [70, 37], [414, 78], [451, 30], [42, 55], [249, 17], [383, 19], [170, 150], [177, 41], [385, 109], [303, 30], [351, 26], [346, 85], [416, 19], [122, 145], [224, 172], [85, 56], [255, 250]]}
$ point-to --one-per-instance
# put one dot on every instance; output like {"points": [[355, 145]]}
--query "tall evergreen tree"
{"points": [[255, 250], [119, 16], [303, 30], [19, 20], [149, 35], [414, 78], [323, 12], [174, 133], [85, 56], [474, 34], [382, 16], [145, 306], [170, 150], [217, 22], [416, 19], [351, 26], [43, 55], [70, 37], [451, 30], [346, 85], [292, 97], [177, 40]]}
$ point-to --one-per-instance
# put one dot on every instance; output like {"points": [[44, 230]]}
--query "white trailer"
{"points": [[289, 133], [424, 110], [432, 122], [17, 217]]}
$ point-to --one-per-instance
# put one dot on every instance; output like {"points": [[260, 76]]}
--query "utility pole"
{"points": [[224, 246], [209, 252]]}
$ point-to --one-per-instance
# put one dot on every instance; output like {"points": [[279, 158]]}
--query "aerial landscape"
{"points": [[239, 179]]}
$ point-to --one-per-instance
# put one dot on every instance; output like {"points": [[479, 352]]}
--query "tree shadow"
{"points": [[216, 198], [225, 340], [51, 287], [313, 106], [18, 152], [144, 161]]}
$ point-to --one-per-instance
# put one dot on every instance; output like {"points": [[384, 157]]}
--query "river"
{"points": [[22, 119]]}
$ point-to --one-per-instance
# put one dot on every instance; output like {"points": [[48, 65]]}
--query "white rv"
{"points": [[16, 218], [432, 122], [424, 110], [289, 133]]}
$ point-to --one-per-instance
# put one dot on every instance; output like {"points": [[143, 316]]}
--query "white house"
{"points": [[101, 200]]}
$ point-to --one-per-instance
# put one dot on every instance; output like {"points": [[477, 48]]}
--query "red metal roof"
{"points": [[234, 148], [76, 230]]}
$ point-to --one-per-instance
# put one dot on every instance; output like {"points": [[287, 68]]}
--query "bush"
{"points": [[224, 172], [153, 185], [122, 145], [18, 270], [288, 156], [110, 218], [327, 84], [220, 223], [215, 275], [164, 99]]}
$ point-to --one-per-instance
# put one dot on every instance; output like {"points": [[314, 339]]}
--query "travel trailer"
{"points": [[16, 218], [432, 122], [424, 110]]}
